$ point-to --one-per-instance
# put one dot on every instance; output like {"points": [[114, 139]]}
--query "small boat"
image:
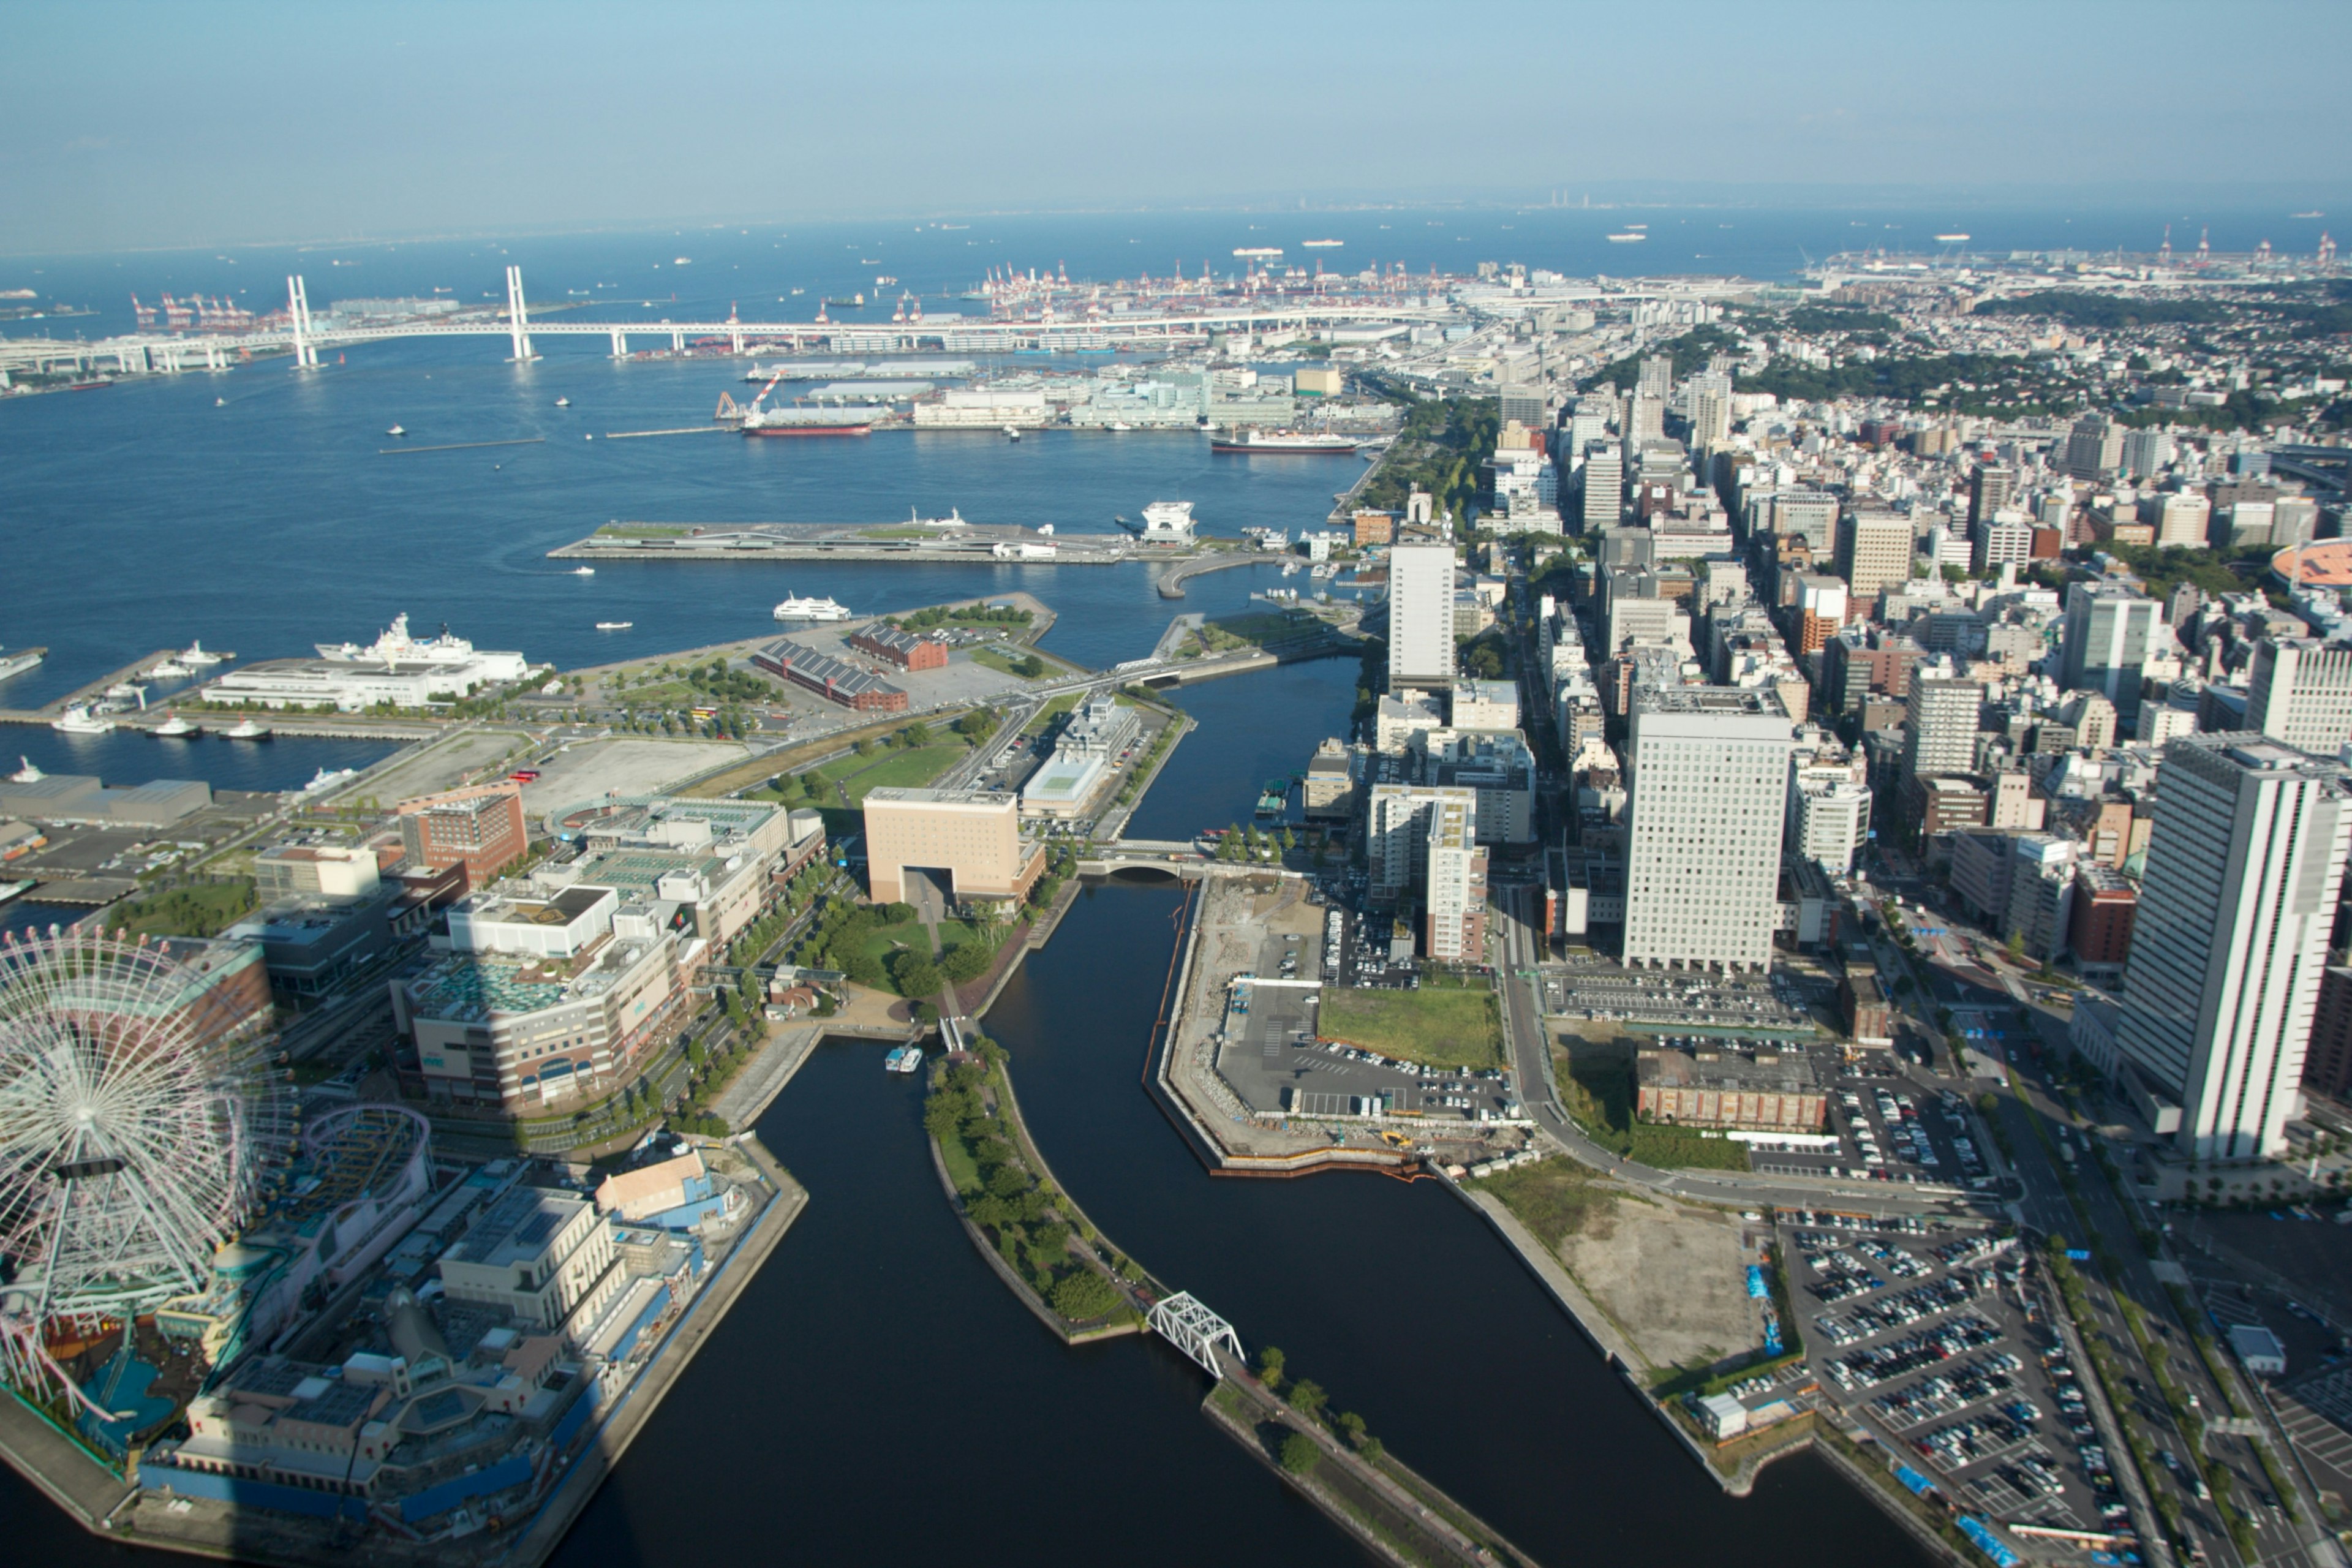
{"points": [[804, 609], [583, 571], [395, 430], [174, 728], [563, 402], [28, 774], [615, 626], [126, 690], [170, 669], [904, 1058], [246, 729], [77, 719], [1628, 238], [682, 261], [220, 403], [1012, 432], [329, 778], [1951, 239], [195, 657]]}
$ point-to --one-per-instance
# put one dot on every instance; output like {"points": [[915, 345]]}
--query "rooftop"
{"points": [[515, 1228]]}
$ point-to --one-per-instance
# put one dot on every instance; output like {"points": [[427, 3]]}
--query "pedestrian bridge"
{"points": [[1183, 1321]]}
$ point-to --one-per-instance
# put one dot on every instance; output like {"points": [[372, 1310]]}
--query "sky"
{"points": [[129, 125]]}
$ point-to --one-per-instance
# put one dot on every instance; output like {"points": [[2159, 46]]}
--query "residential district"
{"points": [[1851, 784]]}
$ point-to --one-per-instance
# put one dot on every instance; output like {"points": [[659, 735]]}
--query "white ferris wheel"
{"points": [[139, 1126]]}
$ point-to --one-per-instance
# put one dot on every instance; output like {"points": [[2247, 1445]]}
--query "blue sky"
{"points": [[147, 124]]}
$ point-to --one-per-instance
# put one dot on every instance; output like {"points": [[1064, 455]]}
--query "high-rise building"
{"points": [[2004, 539], [2301, 694], [2094, 449], [2111, 633], [1710, 411], [1657, 377], [2180, 517], [1645, 419], [1524, 404], [1603, 504], [1990, 487], [2230, 938], [1710, 769], [1873, 550], [1940, 729], [481, 827], [1421, 616], [2145, 452], [1424, 839]]}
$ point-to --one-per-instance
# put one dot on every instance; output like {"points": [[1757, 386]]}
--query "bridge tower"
{"points": [[298, 315], [1191, 1328], [518, 317]]}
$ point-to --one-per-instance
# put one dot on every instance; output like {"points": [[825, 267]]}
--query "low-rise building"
{"points": [[539, 1255], [1763, 1090], [481, 828], [834, 680], [907, 650]]}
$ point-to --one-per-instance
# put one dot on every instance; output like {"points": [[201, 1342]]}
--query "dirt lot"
{"points": [[626, 767], [1672, 1276]]}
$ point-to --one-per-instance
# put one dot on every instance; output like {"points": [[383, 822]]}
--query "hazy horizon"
{"points": [[133, 128]]}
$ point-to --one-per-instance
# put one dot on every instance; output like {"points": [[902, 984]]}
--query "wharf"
{"points": [[922, 553], [89, 693], [1172, 583]]}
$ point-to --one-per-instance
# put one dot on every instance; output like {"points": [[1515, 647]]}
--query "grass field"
{"points": [[963, 1169], [1598, 1084], [1259, 630], [1054, 708], [1442, 1026], [1555, 1198], [896, 769], [997, 660]]}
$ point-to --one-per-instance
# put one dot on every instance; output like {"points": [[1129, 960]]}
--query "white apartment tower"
{"points": [[1426, 837], [2302, 694], [1940, 727], [1604, 495], [2111, 633], [1710, 769], [2244, 864], [1421, 616]]}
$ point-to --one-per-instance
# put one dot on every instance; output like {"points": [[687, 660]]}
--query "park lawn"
{"points": [[1259, 630], [886, 940], [999, 660], [963, 1169], [1598, 1085], [897, 770], [200, 909], [640, 531], [1442, 1026]]}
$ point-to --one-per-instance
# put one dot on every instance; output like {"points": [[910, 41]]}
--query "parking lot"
{"points": [[1599, 991], [1936, 1339], [1888, 1130], [1269, 1056]]}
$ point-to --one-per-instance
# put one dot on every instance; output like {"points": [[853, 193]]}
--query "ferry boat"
{"points": [[615, 626], [1322, 244], [329, 778], [197, 658], [1286, 442], [1628, 238], [1951, 239], [583, 571], [77, 719], [800, 609], [904, 1058], [174, 728], [246, 730], [28, 773], [563, 402]]}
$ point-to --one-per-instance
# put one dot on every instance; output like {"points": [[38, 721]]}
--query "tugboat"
{"points": [[246, 729], [583, 571], [28, 774], [77, 719], [197, 658], [174, 728]]}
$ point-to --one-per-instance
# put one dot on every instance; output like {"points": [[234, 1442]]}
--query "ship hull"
{"points": [[1269, 449], [808, 430]]}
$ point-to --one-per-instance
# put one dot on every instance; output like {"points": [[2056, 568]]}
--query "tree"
{"points": [[914, 974], [1352, 1426], [1028, 666], [864, 746], [1269, 1367], [1371, 1448], [1084, 1295], [1306, 1398], [1299, 1453], [917, 733]]}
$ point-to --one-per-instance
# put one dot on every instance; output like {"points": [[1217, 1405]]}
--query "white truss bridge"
{"points": [[1191, 1328]]}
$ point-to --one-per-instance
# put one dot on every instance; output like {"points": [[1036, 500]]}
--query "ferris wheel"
{"points": [[139, 1126]]}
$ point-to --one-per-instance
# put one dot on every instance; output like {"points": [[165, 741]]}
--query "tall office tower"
{"points": [[1658, 376], [2245, 863], [1874, 548], [2110, 634], [1454, 898], [2145, 452], [1646, 420], [1710, 768], [1604, 486], [1525, 404], [2181, 517], [1940, 728], [2301, 692], [1810, 515], [2094, 448], [1710, 411], [1990, 487], [1583, 429], [1421, 616]]}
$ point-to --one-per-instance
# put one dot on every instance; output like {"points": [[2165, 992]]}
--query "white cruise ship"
{"points": [[396, 644], [18, 663], [798, 609]]}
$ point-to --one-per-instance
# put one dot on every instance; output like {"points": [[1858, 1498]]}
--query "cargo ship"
{"points": [[18, 663], [758, 421], [1286, 444]]}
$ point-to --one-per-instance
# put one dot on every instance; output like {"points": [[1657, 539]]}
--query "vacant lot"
{"points": [[1597, 1083], [1442, 1026], [1556, 1199]]}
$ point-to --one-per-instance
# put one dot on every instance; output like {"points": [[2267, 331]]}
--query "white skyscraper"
{"points": [[1710, 769], [2111, 633], [2301, 692], [2244, 864], [1421, 616]]}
